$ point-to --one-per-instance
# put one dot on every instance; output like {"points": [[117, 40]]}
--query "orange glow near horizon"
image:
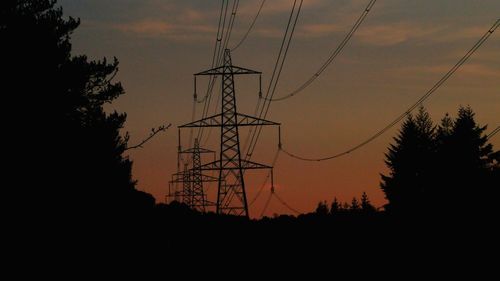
{"points": [[401, 50]]}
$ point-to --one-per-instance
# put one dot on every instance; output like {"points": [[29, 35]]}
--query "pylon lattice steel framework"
{"points": [[192, 193], [231, 194]]}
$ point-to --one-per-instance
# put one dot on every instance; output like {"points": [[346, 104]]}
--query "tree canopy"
{"points": [[68, 143], [449, 168]]}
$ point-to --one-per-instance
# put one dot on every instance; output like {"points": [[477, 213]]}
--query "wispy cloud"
{"points": [[317, 30], [470, 69], [389, 34], [182, 20], [146, 27], [456, 33], [392, 34], [249, 8], [151, 28]]}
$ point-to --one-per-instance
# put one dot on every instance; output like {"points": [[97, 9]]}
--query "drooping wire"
{"points": [[231, 22], [413, 106], [287, 38], [193, 114], [259, 192], [215, 59], [266, 204], [249, 28], [332, 57], [493, 133], [220, 57], [218, 42], [286, 204], [259, 100], [207, 138]]}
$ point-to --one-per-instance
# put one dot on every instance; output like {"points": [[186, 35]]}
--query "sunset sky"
{"points": [[402, 49]]}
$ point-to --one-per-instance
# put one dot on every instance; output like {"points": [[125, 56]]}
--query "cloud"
{"points": [[392, 34], [153, 28], [316, 30], [483, 55], [146, 27], [454, 33], [249, 8], [269, 32], [469, 69], [389, 34]]}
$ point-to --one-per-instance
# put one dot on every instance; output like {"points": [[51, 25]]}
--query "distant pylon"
{"points": [[231, 194], [193, 193], [186, 186]]}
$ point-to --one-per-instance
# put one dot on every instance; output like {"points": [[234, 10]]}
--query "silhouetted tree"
{"points": [[336, 207], [355, 205], [444, 171], [366, 206], [470, 158], [346, 207], [69, 146], [322, 208], [409, 162]]}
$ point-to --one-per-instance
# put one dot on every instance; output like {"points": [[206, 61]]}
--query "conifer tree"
{"points": [[408, 160], [366, 205], [336, 207]]}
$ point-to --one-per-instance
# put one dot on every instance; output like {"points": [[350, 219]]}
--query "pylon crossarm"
{"points": [[210, 166], [247, 120], [212, 121], [221, 70], [204, 178], [245, 164], [249, 165], [201, 150], [215, 121]]}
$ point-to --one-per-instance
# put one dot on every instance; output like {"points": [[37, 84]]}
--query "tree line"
{"points": [[356, 206]]}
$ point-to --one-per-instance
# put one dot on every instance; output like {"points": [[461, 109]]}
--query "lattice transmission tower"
{"points": [[192, 193], [231, 194]]}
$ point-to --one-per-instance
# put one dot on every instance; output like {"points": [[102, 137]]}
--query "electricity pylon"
{"points": [[184, 194], [193, 193], [231, 194]]}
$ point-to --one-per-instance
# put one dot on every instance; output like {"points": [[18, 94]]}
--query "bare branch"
{"points": [[154, 132]]}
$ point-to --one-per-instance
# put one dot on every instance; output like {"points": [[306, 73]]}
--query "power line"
{"points": [[287, 39], [231, 22], [285, 44], [411, 108], [215, 62], [250, 28], [217, 47], [283, 202], [266, 180], [266, 204], [493, 133], [332, 57], [286, 204], [193, 113], [225, 39]]}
